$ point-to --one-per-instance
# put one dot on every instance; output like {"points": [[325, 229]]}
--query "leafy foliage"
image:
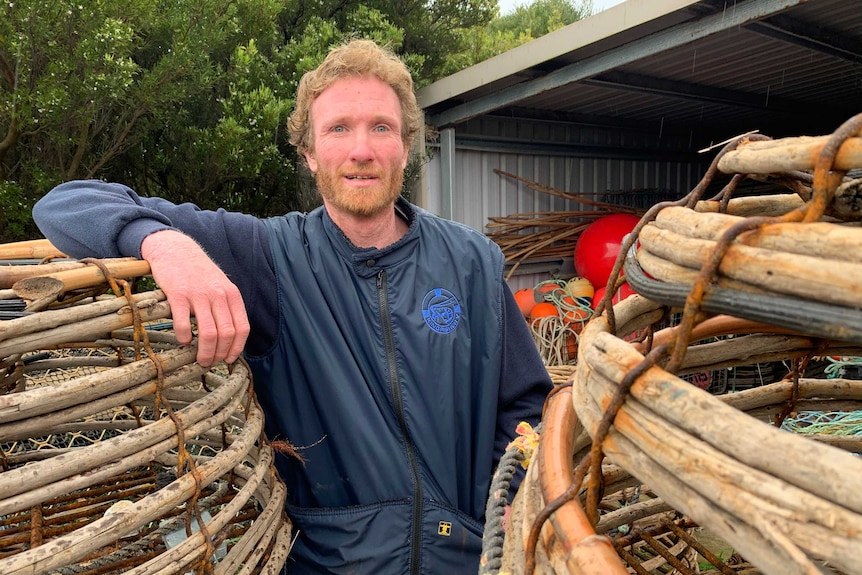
{"points": [[526, 23], [543, 16], [188, 99]]}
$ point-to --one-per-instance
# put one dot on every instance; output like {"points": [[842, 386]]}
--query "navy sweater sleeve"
{"points": [[98, 219]]}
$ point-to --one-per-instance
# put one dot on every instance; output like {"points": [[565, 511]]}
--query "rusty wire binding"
{"points": [[625, 427], [119, 453]]}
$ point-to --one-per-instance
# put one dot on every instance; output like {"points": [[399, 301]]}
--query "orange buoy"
{"points": [[526, 300], [543, 309], [573, 312]]}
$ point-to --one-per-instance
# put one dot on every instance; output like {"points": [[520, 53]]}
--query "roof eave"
{"points": [[582, 33]]}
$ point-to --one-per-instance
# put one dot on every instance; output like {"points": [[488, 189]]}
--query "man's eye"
{"points": [[338, 129], [381, 129]]}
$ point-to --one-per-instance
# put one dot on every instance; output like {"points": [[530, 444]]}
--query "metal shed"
{"points": [[627, 100]]}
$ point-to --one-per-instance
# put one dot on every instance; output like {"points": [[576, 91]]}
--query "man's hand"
{"points": [[194, 285]]}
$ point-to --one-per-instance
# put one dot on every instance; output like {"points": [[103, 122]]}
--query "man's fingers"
{"points": [[240, 325], [222, 326], [225, 332], [207, 335], [181, 315]]}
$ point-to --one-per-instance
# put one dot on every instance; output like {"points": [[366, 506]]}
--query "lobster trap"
{"points": [[634, 464], [119, 453]]}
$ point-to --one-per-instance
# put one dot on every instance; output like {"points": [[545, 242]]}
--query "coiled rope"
{"points": [[518, 453]]}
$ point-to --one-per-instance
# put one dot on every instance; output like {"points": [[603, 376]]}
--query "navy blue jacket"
{"points": [[400, 372]]}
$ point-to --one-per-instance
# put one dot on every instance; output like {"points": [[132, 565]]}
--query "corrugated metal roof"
{"points": [[717, 67]]}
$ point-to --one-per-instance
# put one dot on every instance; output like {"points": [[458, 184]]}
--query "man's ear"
{"points": [[311, 161]]}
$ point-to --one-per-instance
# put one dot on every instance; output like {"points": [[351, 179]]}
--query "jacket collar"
{"points": [[367, 262]]}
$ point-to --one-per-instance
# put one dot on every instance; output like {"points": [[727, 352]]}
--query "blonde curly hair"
{"points": [[355, 59]]}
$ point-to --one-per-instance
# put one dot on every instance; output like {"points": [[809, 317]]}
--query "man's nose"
{"points": [[360, 150]]}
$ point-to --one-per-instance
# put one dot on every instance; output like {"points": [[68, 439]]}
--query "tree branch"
{"points": [[118, 142], [83, 135], [12, 132], [11, 138], [8, 73]]}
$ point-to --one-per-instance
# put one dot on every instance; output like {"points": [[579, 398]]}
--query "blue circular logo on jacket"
{"points": [[441, 310]]}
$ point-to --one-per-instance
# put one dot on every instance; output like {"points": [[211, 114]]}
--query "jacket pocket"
{"points": [[452, 541], [351, 540]]}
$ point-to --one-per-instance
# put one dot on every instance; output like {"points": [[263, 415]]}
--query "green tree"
{"points": [[431, 30], [526, 23], [65, 73], [111, 88], [214, 106], [543, 16], [186, 99]]}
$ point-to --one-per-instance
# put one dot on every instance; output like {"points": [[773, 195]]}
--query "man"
{"points": [[383, 340]]}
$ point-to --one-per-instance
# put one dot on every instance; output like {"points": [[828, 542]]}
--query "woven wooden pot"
{"points": [[680, 461], [121, 455], [787, 503], [637, 529], [760, 279]]}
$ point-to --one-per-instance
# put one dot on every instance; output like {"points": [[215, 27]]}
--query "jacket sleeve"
{"points": [[97, 219], [525, 382], [92, 218]]}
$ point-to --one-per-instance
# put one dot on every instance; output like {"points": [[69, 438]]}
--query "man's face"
{"points": [[357, 154]]}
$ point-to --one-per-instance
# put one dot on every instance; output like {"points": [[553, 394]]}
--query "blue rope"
{"points": [[819, 422], [837, 367]]}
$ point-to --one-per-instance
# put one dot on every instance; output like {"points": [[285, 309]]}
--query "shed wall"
{"points": [[637, 169]]}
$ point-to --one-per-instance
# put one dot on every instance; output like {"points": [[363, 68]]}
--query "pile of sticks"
{"points": [[537, 236]]}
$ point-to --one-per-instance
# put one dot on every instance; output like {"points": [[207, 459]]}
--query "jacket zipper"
{"points": [[395, 389]]}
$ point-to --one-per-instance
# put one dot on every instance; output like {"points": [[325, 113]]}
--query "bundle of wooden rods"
{"points": [[53, 275], [536, 236], [714, 458], [820, 261]]}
